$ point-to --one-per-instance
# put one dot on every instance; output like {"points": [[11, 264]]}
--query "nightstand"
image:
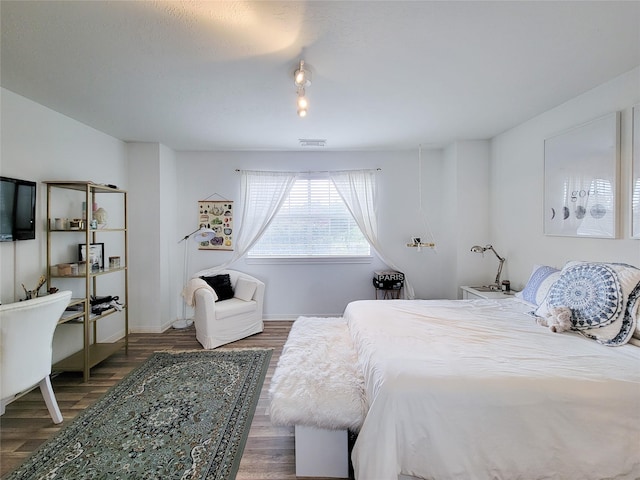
{"points": [[469, 293]]}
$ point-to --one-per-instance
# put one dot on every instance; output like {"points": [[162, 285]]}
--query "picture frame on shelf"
{"points": [[95, 259], [581, 169]]}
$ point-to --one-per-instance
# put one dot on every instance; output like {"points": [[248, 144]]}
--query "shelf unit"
{"points": [[86, 281]]}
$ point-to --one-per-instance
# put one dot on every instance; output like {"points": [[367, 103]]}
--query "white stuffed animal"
{"points": [[558, 319]]}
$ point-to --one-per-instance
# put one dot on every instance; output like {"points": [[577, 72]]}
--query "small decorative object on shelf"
{"points": [[418, 243], [114, 262], [101, 216], [76, 224], [29, 294], [61, 224], [96, 255]]}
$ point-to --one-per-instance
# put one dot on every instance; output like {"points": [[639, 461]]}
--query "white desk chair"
{"points": [[26, 335]]}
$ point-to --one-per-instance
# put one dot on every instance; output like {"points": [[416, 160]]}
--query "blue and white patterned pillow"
{"points": [[603, 298], [537, 287]]}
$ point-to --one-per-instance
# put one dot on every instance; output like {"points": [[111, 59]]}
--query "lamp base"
{"points": [[182, 323]]}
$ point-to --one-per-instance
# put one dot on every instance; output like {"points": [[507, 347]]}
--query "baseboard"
{"points": [[266, 318], [146, 329], [291, 318], [113, 338]]}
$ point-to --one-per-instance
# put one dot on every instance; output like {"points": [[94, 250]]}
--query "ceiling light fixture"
{"points": [[303, 103], [302, 79], [302, 76], [302, 100]]}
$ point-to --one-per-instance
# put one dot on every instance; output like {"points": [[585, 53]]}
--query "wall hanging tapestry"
{"points": [[179, 415], [218, 216], [580, 180]]}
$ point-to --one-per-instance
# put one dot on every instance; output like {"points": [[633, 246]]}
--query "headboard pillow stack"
{"points": [[603, 297], [537, 287]]}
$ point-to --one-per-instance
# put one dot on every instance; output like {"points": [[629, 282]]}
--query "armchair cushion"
{"points": [[234, 306], [245, 289], [221, 284]]}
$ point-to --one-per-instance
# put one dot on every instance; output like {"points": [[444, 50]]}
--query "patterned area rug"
{"points": [[178, 416]]}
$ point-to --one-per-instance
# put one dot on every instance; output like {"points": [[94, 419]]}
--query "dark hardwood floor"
{"points": [[269, 452]]}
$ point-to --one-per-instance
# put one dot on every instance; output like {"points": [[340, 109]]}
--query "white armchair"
{"points": [[225, 321], [26, 335]]}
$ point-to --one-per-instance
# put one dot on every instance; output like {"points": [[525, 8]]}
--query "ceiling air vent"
{"points": [[312, 142]]}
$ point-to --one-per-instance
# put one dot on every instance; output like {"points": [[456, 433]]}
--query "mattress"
{"points": [[475, 389]]}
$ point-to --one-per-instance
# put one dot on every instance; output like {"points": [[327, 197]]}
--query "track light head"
{"points": [[302, 76]]}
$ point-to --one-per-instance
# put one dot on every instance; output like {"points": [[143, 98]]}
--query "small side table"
{"points": [[469, 293], [389, 282]]}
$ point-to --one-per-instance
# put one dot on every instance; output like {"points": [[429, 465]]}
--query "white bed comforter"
{"points": [[476, 390]]}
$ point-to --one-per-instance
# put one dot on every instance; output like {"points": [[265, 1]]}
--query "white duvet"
{"points": [[477, 390]]}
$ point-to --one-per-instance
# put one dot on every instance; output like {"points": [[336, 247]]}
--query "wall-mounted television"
{"points": [[17, 209]]}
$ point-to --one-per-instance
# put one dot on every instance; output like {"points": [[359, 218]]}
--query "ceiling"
{"points": [[218, 75]]}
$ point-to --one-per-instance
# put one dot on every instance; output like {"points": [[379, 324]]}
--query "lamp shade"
{"points": [[204, 235]]}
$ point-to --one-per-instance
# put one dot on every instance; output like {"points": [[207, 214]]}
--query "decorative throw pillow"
{"points": [[537, 287], [245, 289], [221, 284], [603, 298]]}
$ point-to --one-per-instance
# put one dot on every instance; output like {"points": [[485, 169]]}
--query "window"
{"points": [[312, 222]]}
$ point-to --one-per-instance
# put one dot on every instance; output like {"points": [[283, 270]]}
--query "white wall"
{"points": [[39, 144], [517, 161], [155, 256], [312, 289], [465, 204]]}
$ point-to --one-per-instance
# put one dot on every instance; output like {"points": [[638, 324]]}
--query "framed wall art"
{"points": [[635, 175], [218, 216], [95, 259], [581, 180]]}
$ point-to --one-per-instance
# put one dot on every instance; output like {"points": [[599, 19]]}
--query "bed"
{"points": [[455, 393], [477, 389]]}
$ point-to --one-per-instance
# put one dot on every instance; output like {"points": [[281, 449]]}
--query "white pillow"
{"points": [[245, 289], [603, 298], [537, 287]]}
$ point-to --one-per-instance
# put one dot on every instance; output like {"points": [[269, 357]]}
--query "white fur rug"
{"points": [[317, 382]]}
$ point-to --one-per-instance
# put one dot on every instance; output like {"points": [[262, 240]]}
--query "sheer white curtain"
{"points": [[358, 190], [262, 195]]}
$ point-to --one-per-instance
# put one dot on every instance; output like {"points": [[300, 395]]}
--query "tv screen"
{"points": [[17, 209]]}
